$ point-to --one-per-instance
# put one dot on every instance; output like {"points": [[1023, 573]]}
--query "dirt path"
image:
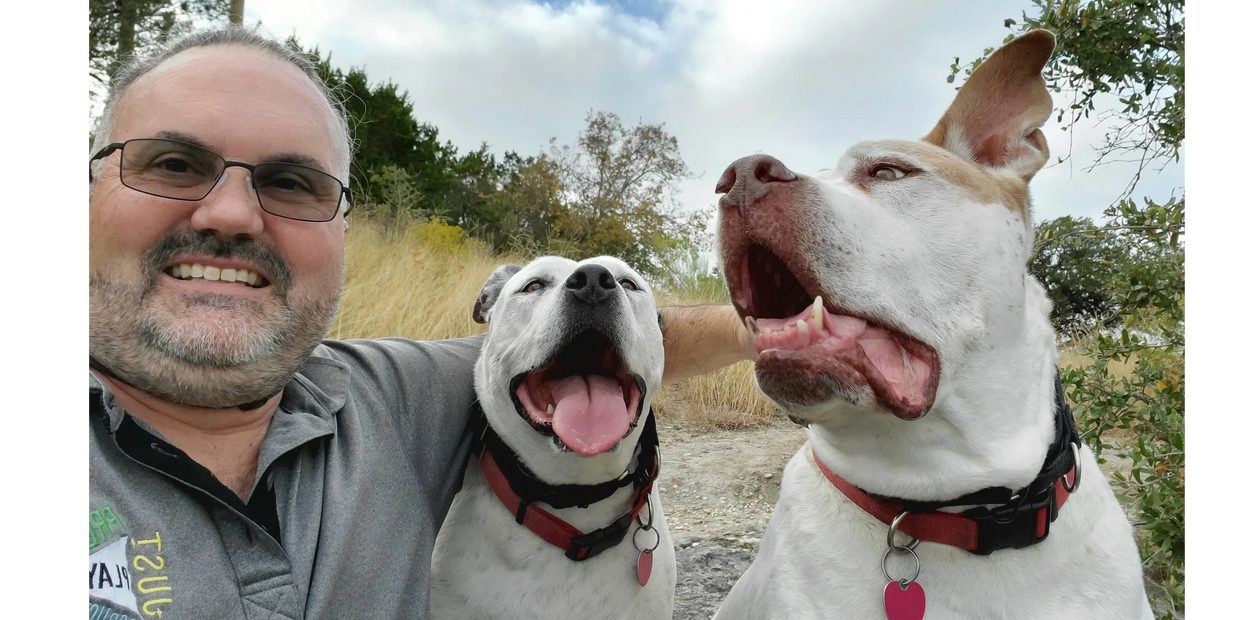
{"points": [[718, 489]]}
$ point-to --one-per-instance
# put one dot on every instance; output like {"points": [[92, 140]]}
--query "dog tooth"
{"points": [[802, 328], [196, 270], [550, 409], [816, 314], [751, 325]]}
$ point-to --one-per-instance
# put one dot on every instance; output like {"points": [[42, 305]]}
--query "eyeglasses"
{"points": [[183, 171]]}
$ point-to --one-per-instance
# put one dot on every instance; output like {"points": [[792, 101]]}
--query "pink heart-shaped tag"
{"points": [[904, 603], [645, 563]]}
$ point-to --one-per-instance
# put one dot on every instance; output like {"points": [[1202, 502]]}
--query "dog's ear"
{"points": [[662, 325], [490, 291], [996, 116]]}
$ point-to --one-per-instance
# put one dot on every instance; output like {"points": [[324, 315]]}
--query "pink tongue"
{"points": [[590, 415]]}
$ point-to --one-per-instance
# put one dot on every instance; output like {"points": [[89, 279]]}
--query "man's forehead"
{"points": [[221, 95]]}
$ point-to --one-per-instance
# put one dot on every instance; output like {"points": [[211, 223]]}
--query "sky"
{"points": [[801, 80]]}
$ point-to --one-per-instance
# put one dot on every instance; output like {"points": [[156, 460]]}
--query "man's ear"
{"points": [[490, 291], [995, 118]]}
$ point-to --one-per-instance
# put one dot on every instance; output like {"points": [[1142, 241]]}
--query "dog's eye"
{"points": [[534, 285], [887, 173], [629, 284]]}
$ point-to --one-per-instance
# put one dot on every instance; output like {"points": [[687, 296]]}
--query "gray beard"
{"points": [[181, 365], [192, 363]]}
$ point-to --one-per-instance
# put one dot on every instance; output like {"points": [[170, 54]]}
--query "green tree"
{"points": [[1078, 267], [524, 210], [1132, 50], [618, 187], [387, 134]]}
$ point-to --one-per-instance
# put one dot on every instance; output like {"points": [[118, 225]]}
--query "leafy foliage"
{"points": [[1148, 404], [1078, 270], [617, 190]]}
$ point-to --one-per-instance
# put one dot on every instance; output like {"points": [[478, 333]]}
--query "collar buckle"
{"points": [[590, 544], [1014, 526]]}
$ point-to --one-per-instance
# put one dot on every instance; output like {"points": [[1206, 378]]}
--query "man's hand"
{"points": [[700, 339]]}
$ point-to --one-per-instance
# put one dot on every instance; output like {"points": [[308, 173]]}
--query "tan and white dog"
{"points": [[895, 317], [568, 461]]}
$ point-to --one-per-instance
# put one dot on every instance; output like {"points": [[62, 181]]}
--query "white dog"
{"points": [[895, 317], [558, 515]]}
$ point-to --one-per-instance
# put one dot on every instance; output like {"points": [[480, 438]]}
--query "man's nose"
{"points": [[231, 209]]}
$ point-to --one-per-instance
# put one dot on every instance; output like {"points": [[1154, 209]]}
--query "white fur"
{"points": [[926, 256], [485, 565]]}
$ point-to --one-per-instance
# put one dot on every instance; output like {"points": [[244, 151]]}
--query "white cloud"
{"points": [[799, 79]]}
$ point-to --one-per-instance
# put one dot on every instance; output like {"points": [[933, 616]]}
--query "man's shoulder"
{"points": [[405, 362], [400, 349]]}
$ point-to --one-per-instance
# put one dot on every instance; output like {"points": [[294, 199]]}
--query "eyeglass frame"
{"points": [[106, 151]]}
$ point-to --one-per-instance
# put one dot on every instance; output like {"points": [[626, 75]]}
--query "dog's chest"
{"points": [[822, 553], [486, 565]]}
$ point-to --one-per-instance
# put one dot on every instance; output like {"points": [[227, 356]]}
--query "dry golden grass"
{"points": [[420, 283]]}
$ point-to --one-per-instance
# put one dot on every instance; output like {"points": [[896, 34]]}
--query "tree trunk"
{"points": [[125, 33], [237, 11]]}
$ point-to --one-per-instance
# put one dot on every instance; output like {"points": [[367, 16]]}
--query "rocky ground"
{"points": [[718, 489]]}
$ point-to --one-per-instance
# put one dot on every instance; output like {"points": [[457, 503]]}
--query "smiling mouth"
{"points": [[584, 396], [196, 272], [809, 352]]}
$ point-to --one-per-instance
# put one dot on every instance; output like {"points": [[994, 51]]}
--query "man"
{"points": [[240, 466]]}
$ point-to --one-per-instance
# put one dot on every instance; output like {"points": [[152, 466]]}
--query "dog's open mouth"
{"points": [[584, 396], [800, 339]]}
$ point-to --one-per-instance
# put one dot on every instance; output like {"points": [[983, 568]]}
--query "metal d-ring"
{"points": [[909, 550], [891, 535], [1076, 466], [657, 539]]}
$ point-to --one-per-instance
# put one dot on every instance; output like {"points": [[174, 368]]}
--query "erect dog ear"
{"points": [[996, 116], [490, 291], [662, 325]]}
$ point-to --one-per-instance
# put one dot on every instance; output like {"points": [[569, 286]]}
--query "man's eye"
{"points": [[173, 164], [533, 286], [629, 284]]}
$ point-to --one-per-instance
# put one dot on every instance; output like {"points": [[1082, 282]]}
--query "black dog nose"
{"points": [[591, 284]]}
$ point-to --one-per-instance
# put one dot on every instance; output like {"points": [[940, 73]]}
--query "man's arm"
{"points": [[699, 339]]}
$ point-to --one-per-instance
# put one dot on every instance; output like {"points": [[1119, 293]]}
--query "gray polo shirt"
{"points": [[355, 476]]}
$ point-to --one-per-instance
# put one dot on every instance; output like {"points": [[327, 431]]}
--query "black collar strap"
{"points": [[254, 404], [530, 489]]}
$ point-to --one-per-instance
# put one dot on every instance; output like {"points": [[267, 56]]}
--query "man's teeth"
{"points": [[187, 271]]}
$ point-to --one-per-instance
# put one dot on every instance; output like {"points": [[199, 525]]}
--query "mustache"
{"points": [[261, 254]]}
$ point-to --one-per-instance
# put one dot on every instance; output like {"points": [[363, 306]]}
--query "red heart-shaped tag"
{"points": [[645, 563], [904, 603]]}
